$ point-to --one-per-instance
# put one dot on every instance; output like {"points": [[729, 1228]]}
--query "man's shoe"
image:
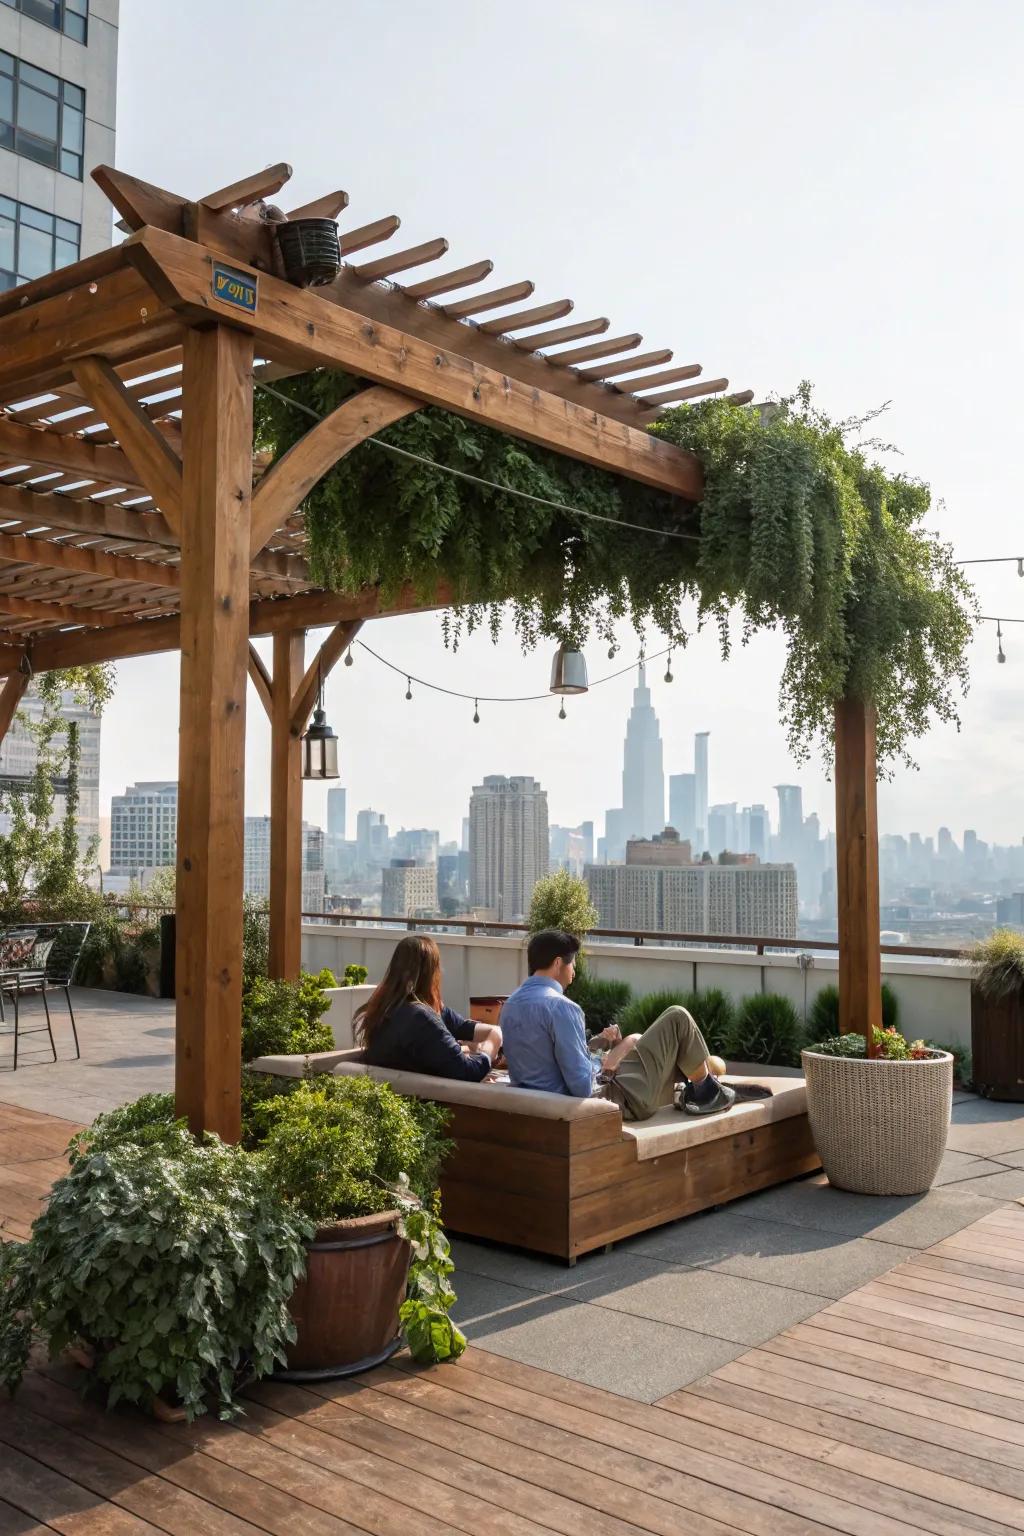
{"points": [[722, 1099]]}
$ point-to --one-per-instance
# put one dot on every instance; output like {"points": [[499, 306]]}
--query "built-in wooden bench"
{"points": [[565, 1176]]}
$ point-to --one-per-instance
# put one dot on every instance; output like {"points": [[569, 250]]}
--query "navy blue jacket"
{"points": [[413, 1038]]}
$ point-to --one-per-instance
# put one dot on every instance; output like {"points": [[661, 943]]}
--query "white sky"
{"points": [[776, 190]]}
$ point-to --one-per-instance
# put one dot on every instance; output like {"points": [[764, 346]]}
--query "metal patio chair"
{"points": [[45, 957]]}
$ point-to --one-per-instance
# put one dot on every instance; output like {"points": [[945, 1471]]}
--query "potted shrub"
{"points": [[361, 1164], [879, 1123], [165, 1263], [997, 1016]]}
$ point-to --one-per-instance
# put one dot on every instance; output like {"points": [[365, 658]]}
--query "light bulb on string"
{"points": [[1020, 565], [668, 669], [408, 687], [999, 639], [476, 711], [348, 657], [561, 712]]}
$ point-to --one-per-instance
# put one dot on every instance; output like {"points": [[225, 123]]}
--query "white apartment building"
{"points": [[18, 756], [758, 900], [144, 828], [508, 844], [409, 889], [256, 877], [58, 86]]}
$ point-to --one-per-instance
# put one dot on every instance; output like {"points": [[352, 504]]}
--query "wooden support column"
{"points": [[10, 697], [215, 531], [860, 956], [286, 809]]}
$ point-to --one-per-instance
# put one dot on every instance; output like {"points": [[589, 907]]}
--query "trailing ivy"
{"points": [[798, 529]]}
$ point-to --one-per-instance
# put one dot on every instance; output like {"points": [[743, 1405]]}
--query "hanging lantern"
{"points": [[568, 671], [319, 744], [999, 641]]}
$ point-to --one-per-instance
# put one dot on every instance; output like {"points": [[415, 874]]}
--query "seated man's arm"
{"points": [[569, 1039]]}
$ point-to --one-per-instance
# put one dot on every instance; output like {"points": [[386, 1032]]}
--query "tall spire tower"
{"points": [[643, 774]]}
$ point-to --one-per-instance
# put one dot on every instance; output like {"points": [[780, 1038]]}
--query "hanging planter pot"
{"points": [[310, 251]]}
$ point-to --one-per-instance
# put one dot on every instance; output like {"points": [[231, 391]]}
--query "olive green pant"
{"points": [[673, 1047]]}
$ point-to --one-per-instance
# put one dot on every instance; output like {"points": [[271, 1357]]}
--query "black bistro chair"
{"points": [[37, 959]]}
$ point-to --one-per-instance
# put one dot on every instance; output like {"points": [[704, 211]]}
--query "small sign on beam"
{"points": [[235, 288]]}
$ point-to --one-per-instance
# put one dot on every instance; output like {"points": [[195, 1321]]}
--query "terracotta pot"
{"points": [[346, 1308], [997, 1046]]}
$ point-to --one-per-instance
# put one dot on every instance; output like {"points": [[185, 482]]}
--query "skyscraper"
{"points": [[508, 843], [791, 822], [643, 775], [371, 837], [757, 831], [700, 773], [19, 753], [144, 827], [682, 805], [58, 77], [337, 819]]}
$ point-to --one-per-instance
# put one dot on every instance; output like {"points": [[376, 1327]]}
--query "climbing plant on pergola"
{"points": [[142, 515]]}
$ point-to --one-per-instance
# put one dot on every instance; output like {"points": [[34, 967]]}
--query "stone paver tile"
{"points": [[913, 1221], [1003, 1184], [633, 1356], [775, 1252], [723, 1305]]}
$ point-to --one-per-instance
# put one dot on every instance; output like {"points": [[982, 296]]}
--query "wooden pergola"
{"points": [[136, 518]]}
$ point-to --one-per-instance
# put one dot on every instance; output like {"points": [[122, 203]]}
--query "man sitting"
{"points": [[546, 1045]]}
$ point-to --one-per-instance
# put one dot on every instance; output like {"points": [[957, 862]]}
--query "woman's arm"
{"points": [[439, 1054]]}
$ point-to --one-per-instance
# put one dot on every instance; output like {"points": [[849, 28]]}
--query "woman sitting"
{"points": [[405, 1025]]}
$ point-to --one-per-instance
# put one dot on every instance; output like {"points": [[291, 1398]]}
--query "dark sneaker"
{"points": [[722, 1099]]}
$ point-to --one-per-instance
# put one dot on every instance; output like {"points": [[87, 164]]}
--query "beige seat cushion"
{"points": [[499, 1097], [670, 1131]]}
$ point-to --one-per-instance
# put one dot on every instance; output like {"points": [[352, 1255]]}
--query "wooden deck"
{"points": [[899, 1409]]}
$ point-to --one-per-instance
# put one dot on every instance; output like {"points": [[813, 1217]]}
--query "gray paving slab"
{"points": [[1013, 1159], [801, 1258], [912, 1221], [724, 1306], [959, 1166], [986, 1137], [1003, 1184], [634, 1356], [592, 1276]]}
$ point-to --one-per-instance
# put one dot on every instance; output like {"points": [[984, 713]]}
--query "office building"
{"points": [[791, 822], [723, 831], [664, 848], [508, 844], [19, 754], [58, 78], [682, 805], [701, 781], [720, 899], [257, 862], [417, 843], [643, 775], [568, 849], [144, 828], [371, 839], [756, 832], [409, 889], [337, 817]]}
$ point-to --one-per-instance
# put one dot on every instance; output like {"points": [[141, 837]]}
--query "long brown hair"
{"points": [[413, 975]]}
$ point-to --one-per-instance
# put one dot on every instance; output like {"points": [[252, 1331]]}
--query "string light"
{"points": [[561, 712], [668, 669], [348, 657], [999, 640], [476, 712], [408, 687], [1020, 567]]}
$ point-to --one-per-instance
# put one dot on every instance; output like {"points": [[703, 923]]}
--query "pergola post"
{"points": [[215, 532], [286, 808], [860, 955]]}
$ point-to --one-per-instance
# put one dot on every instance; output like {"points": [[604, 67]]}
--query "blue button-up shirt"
{"points": [[545, 1041]]}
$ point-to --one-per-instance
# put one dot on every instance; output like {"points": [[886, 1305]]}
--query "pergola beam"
{"points": [[141, 440], [261, 679], [10, 697], [859, 918], [295, 324], [285, 926], [76, 557]]}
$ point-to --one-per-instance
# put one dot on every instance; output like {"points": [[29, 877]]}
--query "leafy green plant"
{"points": [[766, 1029], [711, 1009], [255, 938], [561, 900], [891, 1046], [999, 965], [341, 1147], [601, 998], [119, 952], [823, 1015], [355, 976], [171, 1262], [799, 529], [282, 1018], [147, 1121]]}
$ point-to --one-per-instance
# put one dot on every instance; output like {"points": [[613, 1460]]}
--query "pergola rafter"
{"points": [[135, 517]]}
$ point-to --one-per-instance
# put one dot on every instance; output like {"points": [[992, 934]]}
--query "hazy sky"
{"points": [[776, 190]]}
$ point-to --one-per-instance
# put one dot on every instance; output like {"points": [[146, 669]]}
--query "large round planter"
{"points": [[879, 1126], [346, 1308], [997, 1046]]}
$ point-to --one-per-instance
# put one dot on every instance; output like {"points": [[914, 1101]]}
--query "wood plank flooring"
{"points": [[898, 1410]]}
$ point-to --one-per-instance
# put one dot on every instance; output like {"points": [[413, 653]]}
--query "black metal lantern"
{"points": [[568, 670], [319, 744], [310, 251]]}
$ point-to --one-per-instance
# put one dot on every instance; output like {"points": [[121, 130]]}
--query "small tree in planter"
{"points": [[997, 1016]]}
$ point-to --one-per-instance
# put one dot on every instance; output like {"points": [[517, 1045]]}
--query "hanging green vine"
{"points": [[797, 528]]}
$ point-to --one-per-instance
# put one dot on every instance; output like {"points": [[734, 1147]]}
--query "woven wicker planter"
{"points": [[879, 1126]]}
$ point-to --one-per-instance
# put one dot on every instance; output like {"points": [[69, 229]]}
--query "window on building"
{"points": [[68, 16], [41, 116], [33, 243]]}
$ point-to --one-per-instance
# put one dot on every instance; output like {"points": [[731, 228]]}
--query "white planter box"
{"points": [[344, 1003]]}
